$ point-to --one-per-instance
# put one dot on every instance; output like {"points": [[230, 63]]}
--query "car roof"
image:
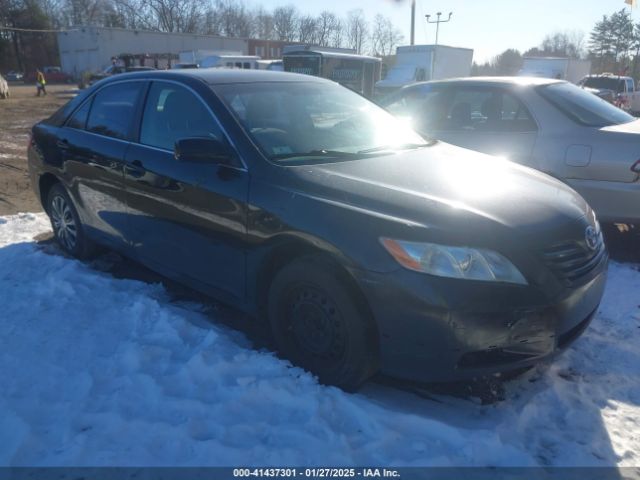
{"points": [[519, 81], [219, 76]]}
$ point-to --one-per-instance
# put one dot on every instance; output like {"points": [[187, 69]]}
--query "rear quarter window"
{"points": [[583, 107]]}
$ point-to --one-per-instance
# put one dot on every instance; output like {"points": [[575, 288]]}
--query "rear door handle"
{"points": [[63, 144]]}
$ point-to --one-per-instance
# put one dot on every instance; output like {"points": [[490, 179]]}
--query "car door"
{"points": [[491, 120], [93, 143], [188, 220]]}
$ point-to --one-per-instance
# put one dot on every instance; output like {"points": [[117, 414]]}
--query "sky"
{"points": [[487, 26]]}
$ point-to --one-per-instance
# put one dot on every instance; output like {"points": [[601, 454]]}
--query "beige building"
{"points": [[90, 49]]}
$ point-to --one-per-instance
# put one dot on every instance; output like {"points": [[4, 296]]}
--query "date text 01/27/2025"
{"points": [[316, 472]]}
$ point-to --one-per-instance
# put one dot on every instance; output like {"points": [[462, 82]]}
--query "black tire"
{"points": [[318, 323], [65, 222]]}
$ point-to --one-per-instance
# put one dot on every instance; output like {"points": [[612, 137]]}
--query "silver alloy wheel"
{"points": [[63, 222]]}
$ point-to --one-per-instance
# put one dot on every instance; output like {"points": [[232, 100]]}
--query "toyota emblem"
{"points": [[591, 237]]}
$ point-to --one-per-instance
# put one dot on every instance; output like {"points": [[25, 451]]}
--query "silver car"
{"points": [[4, 88], [549, 125]]}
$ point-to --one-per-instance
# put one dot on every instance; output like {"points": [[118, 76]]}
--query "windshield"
{"points": [[582, 106], [298, 121], [608, 83]]}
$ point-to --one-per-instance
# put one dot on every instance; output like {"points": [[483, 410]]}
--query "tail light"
{"points": [[635, 168]]}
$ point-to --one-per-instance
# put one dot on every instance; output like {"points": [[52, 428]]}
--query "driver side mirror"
{"points": [[203, 150]]}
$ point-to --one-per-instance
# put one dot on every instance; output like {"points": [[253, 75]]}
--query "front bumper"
{"points": [[436, 329]]}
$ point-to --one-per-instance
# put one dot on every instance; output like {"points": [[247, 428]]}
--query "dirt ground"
{"points": [[17, 114]]}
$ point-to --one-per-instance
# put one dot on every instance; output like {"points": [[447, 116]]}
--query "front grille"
{"points": [[571, 261]]}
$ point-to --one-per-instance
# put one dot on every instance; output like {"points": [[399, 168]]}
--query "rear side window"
{"points": [[172, 112], [113, 110], [79, 118]]}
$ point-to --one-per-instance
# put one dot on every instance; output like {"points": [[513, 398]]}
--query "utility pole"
{"points": [[438, 22], [435, 48], [413, 21]]}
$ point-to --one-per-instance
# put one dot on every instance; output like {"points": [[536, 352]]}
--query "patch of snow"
{"points": [[103, 371]]}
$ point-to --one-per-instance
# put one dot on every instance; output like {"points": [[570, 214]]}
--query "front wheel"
{"points": [[318, 323], [65, 221]]}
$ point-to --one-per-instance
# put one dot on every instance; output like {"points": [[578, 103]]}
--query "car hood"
{"points": [[443, 184]]}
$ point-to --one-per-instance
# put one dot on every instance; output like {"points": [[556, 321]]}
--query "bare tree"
{"points": [[384, 36], [134, 14], [285, 22], [337, 36], [233, 19], [307, 29], [263, 24], [174, 15], [83, 12], [357, 29], [326, 26], [566, 44]]}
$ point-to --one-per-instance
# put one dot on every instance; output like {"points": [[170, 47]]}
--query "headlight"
{"points": [[454, 262]]}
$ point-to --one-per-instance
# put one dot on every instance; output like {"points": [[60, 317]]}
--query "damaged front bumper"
{"points": [[435, 329]]}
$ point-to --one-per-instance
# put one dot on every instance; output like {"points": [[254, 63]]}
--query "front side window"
{"points": [[423, 106], [487, 110], [583, 107], [172, 112], [294, 121], [113, 110]]}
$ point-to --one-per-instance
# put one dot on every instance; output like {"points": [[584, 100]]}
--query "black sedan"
{"points": [[366, 248]]}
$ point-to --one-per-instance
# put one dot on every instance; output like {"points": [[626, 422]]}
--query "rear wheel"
{"points": [[66, 224], [318, 324]]}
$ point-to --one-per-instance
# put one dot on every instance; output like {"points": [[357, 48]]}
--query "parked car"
{"points": [[297, 200], [13, 76], [549, 125], [51, 74], [4, 88]]}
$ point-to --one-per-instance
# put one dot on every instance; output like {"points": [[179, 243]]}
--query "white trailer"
{"points": [[561, 68], [416, 63]]}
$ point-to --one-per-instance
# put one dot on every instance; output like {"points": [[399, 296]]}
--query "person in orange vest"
{"points": [[41, 82]]}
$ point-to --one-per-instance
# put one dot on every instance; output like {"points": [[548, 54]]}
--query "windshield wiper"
{"points": [[404, 146], [317, 153]]}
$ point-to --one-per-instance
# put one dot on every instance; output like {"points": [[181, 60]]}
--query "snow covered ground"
{"points": [[96, 370]]}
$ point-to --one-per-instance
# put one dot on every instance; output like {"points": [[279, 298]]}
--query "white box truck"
{"points": [[561, 68], [416, 63]]}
